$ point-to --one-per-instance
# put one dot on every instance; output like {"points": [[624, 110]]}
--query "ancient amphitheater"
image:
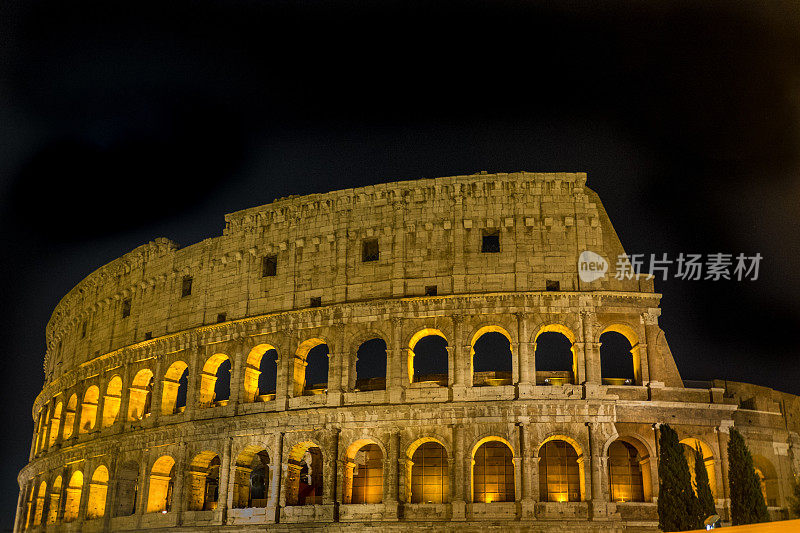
{"points": [[419, 354]]}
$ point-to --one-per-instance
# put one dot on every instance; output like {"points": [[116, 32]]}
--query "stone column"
{"points": [[238, 364], [329, 467], [459, 354], [178, 499], [459, 501], [223, 502], [155, 400], [284, 376], [192, 388], [591, 352], [396, 367], [392, 484], [526, 356], [335, 362], [517, 460], [528, 470]]}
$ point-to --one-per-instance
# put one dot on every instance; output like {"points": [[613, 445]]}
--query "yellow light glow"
{"points": [[561, 497]]}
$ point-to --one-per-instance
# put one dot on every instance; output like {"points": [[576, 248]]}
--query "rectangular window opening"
{"points": [[431, 290], [370, 250], [222, 317], [148, 335], [316, 301], [270, 266], [83, 330], [126, 308], [186, 286], [552, 285], [491, 241]]}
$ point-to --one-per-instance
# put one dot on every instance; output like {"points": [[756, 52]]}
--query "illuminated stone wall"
{"points": [[112, 450]]}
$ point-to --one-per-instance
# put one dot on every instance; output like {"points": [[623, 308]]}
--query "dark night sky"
{"points": [[122, 122]]}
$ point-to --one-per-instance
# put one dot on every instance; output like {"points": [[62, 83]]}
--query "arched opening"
{"points": [[493, 472], [127, 488], [91, 399], [159, 497], [29, 507], [141, 395], [174, 388], [491, 357], [73, 498], [40, 429], [261, 374], [629, 472], [310, 375], [40, 498], [371, 365], [620, 362], [215, 381], [428, 358], [304, 475], [363, 474], [55, 424], [252, 478], [69, 416], [430, 479], [98, 491], [690, 444], [204, 482], [768, 478], [112, 401], [560, 472], [55, 501], [555, 356]]}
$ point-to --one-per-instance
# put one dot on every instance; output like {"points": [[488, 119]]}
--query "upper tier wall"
{"points": [[429, 233]]}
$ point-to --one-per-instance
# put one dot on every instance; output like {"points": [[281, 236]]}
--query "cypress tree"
{"points": [[678, 508], [704, 496], [747, 501]]}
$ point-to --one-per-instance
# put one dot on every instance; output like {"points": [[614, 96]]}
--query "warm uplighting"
{"points": [[561, 497]]}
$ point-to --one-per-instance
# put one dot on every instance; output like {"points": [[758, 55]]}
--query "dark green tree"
{"points": [[794, 499], [678, 507], [747, 501], [704, 496]]}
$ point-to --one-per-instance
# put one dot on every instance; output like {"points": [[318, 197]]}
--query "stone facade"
{"points": [[454, 258]]}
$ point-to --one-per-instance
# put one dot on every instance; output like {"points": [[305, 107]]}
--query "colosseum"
{"points": [[418, 354]]}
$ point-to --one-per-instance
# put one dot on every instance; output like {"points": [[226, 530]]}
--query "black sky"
{"points": [[125, 121]]}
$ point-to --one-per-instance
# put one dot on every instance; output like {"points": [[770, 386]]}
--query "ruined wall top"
{"points": [[429, 233]]}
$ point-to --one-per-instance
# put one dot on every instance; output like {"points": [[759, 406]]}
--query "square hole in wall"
{"points": [[490, 243], [316, 301], [222, 317], [269, 267], [552, 285], [431, 290], [148, 335], [370, 250], [126, 308]]}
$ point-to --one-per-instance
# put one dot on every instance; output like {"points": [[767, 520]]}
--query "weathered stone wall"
{"points": [[429, 233]]}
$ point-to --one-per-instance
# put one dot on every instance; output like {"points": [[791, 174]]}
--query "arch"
{"points": [[140, 397], [561, 470], [215, 381], [159, 496], [493, 471], [613, 361], [768, 478], [486, 368], [310, 353], [127, 488], [69, 416], [174, 385], [304, 474], [98, 492], [252, 478], [91, 398], [112, 401], [428, 471], [369, 368], [204, 481], [55, 501], [363, 472], [627, 471], [73, 497], [41, 495], [556, 355], [260, 372], [55, 424], [690, 445], [436, 359]]}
